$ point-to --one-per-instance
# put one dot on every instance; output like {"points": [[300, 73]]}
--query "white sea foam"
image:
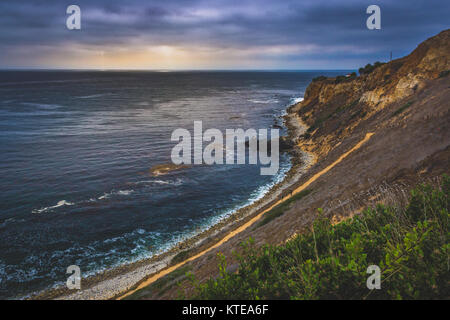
{"points": [[297, 100], [104, 196], [263, 101], [125, 192], [93, 96], [176, 182], [107, 195], [59, 204]]}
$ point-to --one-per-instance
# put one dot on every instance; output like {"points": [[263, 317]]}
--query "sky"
{"points": [[213, 34]]}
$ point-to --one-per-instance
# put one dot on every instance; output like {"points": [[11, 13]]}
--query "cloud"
{"points": [[231, 33]]}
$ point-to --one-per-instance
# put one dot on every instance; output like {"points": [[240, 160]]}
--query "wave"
{"points": [[63, 203], [176, 182], [263, 101], [107, 195], [59, 204], [93, 96], [43, 106], [296, 100]]}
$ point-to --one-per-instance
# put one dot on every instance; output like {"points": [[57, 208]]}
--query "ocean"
{"points": [[76, 149]]}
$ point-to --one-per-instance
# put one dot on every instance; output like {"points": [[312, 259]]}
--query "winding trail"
{"points": [[246, 225]]}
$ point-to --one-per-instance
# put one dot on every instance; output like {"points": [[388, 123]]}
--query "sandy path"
{"points": [[249, 223]]}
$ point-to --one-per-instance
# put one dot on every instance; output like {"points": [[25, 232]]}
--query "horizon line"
{"points": [[167, 70]]}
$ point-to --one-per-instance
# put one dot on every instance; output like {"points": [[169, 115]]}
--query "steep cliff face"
{"points": [[333, 107], [391, 81], [403, 77]]}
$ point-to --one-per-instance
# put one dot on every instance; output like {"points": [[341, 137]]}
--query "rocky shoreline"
{"points": [[113, 283]]}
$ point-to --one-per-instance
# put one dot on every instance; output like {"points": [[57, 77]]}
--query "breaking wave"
{"points": [[59, 204]]}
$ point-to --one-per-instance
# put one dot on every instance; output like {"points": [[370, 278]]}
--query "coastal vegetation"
{"points": [[319, 78], [369, 67], [409, 243], [338, 79], [345, 78]]}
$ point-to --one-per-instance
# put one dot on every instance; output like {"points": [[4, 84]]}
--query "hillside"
{"points": [[409, 245], [403, 105]]}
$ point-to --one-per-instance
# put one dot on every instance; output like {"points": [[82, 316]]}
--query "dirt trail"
{"points": [[249, 223]]}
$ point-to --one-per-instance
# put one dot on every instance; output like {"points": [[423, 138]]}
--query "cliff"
{"points": [[333, 107]]}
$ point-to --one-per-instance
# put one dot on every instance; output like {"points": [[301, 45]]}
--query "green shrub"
{"points": [[369, 68], [319, 78], [410, 245], [342, 78]]}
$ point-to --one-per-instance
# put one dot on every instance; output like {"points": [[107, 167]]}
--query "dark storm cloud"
{"points": [[326, 29]]}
